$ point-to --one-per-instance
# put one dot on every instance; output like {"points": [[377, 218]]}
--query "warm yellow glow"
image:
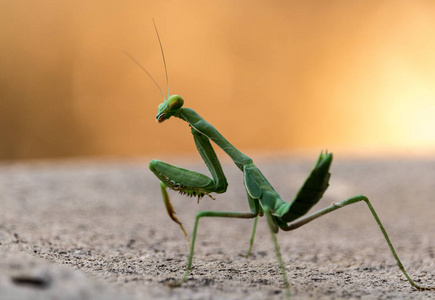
{"points": [[271, 76]]}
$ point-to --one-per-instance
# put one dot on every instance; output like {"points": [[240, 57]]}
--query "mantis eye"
{"points": [[175, 103]]}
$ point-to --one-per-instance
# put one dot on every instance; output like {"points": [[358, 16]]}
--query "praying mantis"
{"points": [[263, 200]]}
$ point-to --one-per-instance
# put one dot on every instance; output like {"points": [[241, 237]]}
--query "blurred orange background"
{"points": [[269, 75]]}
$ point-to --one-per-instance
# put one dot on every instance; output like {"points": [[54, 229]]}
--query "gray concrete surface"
{"points": [[99, 230]]}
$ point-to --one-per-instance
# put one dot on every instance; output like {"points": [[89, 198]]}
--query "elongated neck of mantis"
{"points": [[197, 123]]}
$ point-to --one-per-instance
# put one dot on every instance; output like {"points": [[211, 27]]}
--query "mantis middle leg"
{"points": [[219, 214]]}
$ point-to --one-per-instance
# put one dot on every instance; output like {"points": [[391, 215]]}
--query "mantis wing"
{"points": [[312, 190]]}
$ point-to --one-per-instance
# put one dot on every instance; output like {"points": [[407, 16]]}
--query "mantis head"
{"points": [[169, 108]]}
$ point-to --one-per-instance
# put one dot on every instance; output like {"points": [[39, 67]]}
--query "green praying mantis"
{"points": [[263, 200]]}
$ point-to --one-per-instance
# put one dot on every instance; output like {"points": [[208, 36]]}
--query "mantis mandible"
{"points": [[263, 200]]}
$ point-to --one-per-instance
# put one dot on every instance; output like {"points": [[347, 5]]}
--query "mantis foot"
{"points": [[173, 284]]}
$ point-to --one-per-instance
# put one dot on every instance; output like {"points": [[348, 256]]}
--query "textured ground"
{"points": [[99, 230]]}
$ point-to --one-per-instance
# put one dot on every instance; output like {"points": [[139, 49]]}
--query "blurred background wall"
{"points": [[270, 75]]}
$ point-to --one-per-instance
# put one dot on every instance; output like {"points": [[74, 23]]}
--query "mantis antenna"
{"points": [[143, 68], [163, 56]]}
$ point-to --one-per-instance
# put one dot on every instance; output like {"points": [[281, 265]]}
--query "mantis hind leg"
{"points": [[251, 241], [335, 206], [273, 230]]}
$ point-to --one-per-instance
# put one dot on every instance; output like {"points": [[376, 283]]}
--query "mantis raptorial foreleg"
{"points": [[195, 184], [262, 198], [170, 209]]}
